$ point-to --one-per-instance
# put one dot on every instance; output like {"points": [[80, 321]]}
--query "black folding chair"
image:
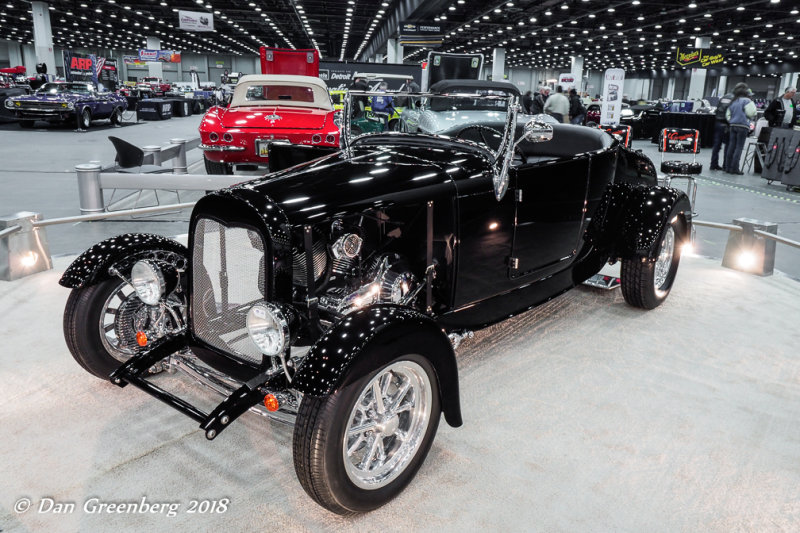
{"points": [[681, 141], [130, 160]]}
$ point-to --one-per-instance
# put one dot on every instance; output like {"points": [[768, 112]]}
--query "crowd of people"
{"points": [[569, 108], [735, 111]]}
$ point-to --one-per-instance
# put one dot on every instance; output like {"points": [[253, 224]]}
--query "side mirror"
{"points": [[537, 130]]}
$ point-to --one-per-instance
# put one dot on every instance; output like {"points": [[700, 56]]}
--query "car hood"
{"points": [[370, 176], [274, 117], [50, 98]]}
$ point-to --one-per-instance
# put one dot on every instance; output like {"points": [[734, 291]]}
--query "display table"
{"points": [[181, 107], [155, 109]]}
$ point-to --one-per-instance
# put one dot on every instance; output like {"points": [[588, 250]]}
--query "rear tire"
{"points": [[646, 282], [352, 453], [116, 116], [215, 167]]}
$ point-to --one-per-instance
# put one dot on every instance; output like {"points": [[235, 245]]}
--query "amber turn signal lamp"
{"points": [[271, 403], [141, 338]]}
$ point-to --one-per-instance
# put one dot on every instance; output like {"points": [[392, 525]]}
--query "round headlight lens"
{"points": [[267, 328], [9, 104], [148, 281]]}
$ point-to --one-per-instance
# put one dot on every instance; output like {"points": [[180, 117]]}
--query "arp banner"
{"points": [[567, 81], [80, 67]]}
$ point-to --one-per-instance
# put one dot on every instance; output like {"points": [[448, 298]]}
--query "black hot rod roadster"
{"points": [[332, 292]]}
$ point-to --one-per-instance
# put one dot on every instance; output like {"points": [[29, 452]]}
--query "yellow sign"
{"points": [[702, 58]]}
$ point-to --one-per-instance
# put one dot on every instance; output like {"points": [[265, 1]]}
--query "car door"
{"points": [[550, 208]]}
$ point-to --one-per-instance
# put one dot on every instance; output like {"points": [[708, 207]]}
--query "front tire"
{"points": [[358, 448], [27, 124], [215, 167], [646, 282], [86, 118]]}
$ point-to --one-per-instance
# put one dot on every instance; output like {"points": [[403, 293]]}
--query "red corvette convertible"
{"points": [[267, 109]]}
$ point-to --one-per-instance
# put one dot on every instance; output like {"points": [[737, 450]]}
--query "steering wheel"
{"points": [[481, 131]]}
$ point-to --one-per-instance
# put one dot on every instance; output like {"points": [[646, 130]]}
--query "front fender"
{"points": [[629, 219], [91, 267], [361, 343]]}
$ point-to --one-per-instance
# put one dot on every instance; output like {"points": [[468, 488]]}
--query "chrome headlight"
{"points": [[268, 328], [148, 281], [70, 105], [9, 104]]}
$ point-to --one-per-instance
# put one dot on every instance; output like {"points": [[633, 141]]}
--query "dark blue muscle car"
{"points": [[67, 102]]}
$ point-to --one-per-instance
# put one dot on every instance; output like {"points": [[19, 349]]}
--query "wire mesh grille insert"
{"points": [[228, 277]]}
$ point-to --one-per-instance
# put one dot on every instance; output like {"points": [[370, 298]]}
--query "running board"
{"points": [[237, 403]]}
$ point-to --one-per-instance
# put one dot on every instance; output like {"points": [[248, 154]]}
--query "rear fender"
{"points": [[630, 219], [91, 267], [360, 344]]}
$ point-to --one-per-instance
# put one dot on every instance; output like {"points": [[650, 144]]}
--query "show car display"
{"points": [[267, 109], [332, 292], [73, 102], [153, 86]]}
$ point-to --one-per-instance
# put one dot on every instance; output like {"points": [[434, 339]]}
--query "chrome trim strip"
{"points": [[219, 148]]}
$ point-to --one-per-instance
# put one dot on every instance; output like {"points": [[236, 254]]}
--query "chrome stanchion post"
{"points": [[89, 192], [155, 152], [24, 251], [179, 162]]}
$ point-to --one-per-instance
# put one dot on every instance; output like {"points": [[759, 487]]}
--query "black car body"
{"points": [[360, 271]]}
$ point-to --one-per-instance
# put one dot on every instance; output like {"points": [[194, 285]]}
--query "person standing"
{"points": [[577, 113], [383, 106], [410, 86], [782, 112], [557, 105], [359, 103], [537, 107], [721, 129], [739, 114], [527, 102]]}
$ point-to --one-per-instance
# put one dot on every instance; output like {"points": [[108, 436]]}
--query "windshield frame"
{"points": [[497, 155]]}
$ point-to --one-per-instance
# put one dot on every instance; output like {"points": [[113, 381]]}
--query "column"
{"points": [[671, 88], [722, 85], [378, 58], [43, 37], [391, 51], [576, 69], [697, 84], [14, 54], [154, 67], [498, 64]]}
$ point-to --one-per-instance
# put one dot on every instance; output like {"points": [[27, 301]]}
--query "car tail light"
{"points": [[316, 138], [227, 137], [213, 137], [330, 139]]}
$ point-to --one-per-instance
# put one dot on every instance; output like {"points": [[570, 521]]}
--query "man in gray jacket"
{"points": [[739, 114], [557, 105]]}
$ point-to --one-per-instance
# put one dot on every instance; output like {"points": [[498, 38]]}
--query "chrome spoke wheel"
{"points": [[387, 425], [664, 261]]}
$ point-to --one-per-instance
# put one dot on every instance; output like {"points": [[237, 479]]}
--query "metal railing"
{"points": [[93, 179]]}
